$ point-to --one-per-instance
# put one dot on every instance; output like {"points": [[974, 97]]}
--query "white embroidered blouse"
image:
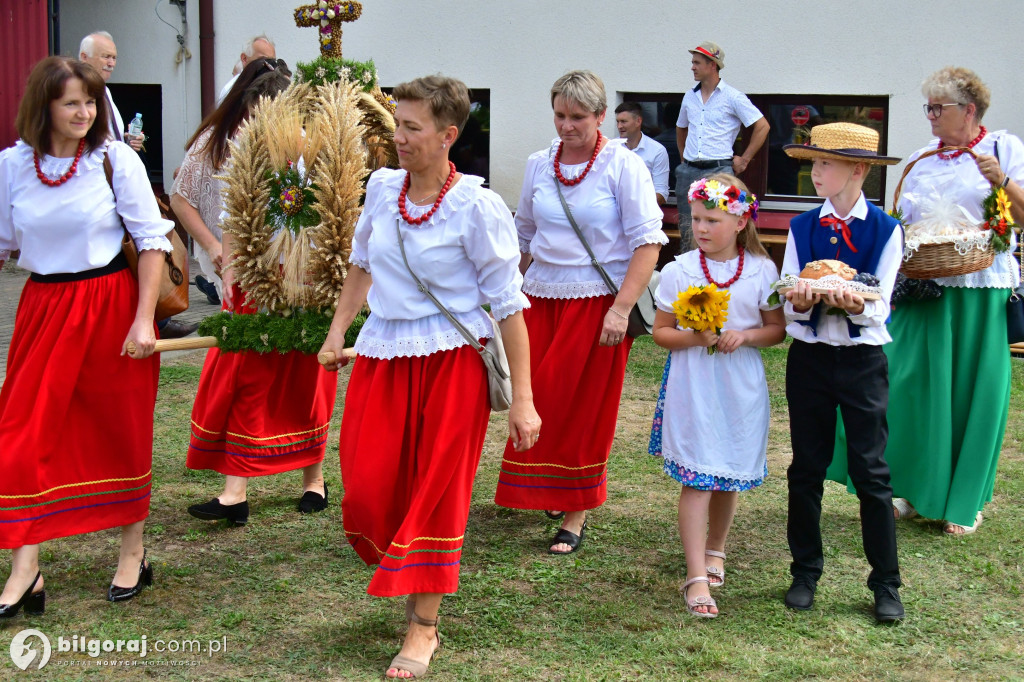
{"points": [[615, 207], [465, 254], [960, 181], [75, 226]]}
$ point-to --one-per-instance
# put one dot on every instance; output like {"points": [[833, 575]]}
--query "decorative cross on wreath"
{"points": [[329, 16]]}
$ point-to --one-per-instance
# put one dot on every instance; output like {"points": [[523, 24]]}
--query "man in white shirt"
{"points": [[629, 118], [708, 124], [99, 51], [258, 46]]}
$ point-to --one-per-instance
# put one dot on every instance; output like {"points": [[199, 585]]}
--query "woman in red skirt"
{"points": [[417, 404], [76, 414], [255, 414], [577, 326]]}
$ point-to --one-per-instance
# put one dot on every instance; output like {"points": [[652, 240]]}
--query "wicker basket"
{"points": [[941, 260]]}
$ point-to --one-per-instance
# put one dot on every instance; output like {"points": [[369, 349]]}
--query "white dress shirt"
{"points": [[959, 181], [614, 206], [655, 157], [832, 329], [465, 254], [714, 125], [75, 226], [226, 89]]}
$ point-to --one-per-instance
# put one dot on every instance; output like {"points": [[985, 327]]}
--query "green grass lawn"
{"points": [[288, 593]]}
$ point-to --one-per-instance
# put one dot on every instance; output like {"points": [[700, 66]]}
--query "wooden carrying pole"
{"points": [[198, 342]]}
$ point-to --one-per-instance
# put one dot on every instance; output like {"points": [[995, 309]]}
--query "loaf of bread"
{"points": [[822, 268]]}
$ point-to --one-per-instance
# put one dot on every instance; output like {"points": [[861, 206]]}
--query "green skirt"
{"points": [[949, 398]]}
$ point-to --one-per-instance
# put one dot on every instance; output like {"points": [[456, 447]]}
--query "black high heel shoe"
{"points": [[116, 593], [34, 602]]}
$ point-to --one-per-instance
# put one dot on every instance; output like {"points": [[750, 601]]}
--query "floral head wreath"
{"points": [[728, 198]]}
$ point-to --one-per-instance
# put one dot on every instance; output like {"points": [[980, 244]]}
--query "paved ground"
{"points": [[12, 279]]}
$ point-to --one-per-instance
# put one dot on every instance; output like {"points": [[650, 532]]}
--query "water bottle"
{"points": [[135, 127]]}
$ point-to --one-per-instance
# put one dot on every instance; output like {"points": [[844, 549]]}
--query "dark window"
{"points": [[131, 98], [772, 175]]}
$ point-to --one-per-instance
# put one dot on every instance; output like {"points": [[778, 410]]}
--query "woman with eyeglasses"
{"points": [[254, 414], [949, 365]]}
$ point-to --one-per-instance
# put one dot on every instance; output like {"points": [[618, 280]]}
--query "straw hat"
{"points": [[846, 141], [711, 51]]}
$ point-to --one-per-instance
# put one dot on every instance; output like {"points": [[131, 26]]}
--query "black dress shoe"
{"points": [[888, 607], [175, 330], [209, 288], [213, 510], [116, 593], [34, 602], [313, 502], [801, 593]]}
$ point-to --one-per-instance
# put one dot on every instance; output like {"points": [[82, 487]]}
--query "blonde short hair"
{"points": [[584, 88], [448, 99], [960, 85]]}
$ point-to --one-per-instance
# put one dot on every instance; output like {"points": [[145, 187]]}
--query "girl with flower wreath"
{"points": [[713, 430]]}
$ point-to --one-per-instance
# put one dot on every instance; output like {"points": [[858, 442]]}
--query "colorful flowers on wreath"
{"points": [[292, 202], [702, 308], [998, 218], [728, 198]]}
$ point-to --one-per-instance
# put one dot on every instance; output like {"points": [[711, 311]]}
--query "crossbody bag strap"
{"points": [[579, 233], [468, 335]]}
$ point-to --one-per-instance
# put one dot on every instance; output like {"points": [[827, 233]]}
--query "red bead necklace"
{"points": [[64, 178], [576, 181], [947, 156], [728, 283], [440, 195]]}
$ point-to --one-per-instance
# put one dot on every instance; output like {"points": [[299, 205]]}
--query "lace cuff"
{"points": [[652, 237], [5, 255], [510, 306], [524, 245], [154, 244], [360, 262]]}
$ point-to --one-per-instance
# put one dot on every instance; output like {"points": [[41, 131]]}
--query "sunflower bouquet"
{"points": [[702, 308]]}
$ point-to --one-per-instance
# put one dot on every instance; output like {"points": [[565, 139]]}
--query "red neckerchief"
{"points": [[839, 225]]}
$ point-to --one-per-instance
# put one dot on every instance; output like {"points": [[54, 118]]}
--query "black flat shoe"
{"points": [[567, 537], [554, 516], [313, 502], [34, 602], [800, 595], [116, 593], [888, 607], [213, 510]]}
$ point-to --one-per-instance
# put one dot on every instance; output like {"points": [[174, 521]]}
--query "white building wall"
{"points": [[517, 49]]}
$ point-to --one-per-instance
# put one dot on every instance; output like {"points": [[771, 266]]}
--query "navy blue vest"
{"points": [[813, 242]]}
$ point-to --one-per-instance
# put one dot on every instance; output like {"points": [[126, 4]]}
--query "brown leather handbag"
{"points": [[173, 296]]}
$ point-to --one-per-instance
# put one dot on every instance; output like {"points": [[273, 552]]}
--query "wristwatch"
{"points": [[1006, 180]]}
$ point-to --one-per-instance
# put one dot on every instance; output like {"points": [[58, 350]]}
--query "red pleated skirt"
{"points": [[576, 389], [260, 414], [76, 417], [411, 439]]}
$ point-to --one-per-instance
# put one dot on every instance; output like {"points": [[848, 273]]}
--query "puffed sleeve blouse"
{"points": [[959, 180], [466, 254], [76, 226], [615, 207]]}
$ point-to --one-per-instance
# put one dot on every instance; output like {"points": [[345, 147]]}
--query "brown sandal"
{"points": [[417, 669]]}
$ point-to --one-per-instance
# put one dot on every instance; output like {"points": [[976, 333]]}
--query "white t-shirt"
{"points": [[116, 122], [614, 206], [75, 226], [465, 254]]}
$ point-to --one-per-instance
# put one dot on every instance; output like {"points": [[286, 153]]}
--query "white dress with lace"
{"points": [[465, 254], [615, 208], [197, 185], [76, 226]]}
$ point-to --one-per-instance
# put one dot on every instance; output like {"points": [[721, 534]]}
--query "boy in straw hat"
{"points": [[837, 361]]}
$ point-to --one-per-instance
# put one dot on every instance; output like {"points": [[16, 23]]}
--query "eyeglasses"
{"points": [[935, 110]]}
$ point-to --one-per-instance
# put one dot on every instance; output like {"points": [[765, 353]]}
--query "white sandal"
{"points": [[693, 604], [902, 510], [714, 571], [955, 529]]}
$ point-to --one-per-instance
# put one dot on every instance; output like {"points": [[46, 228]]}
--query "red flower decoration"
{"points": [[733, 194]]}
